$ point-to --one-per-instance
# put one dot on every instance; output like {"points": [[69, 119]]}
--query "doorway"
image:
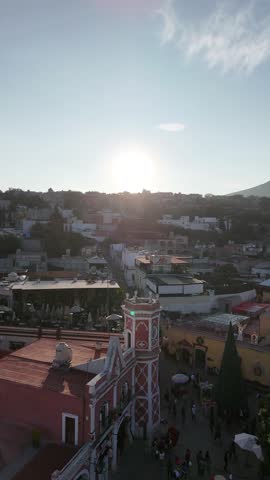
{"points": [[185, 354]]}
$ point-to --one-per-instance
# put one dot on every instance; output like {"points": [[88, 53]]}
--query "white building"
{"points": [[28, 224], [171, 285], [158, 264], [85, 229], [191, 223], [116, 252], [129, 255], [173, 245], [188, 304], [261, 270], [252, 249], [109, 217], [35, 261], [89, 251], [69, 263]]}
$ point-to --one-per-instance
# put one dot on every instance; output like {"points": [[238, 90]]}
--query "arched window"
{"points": [[258, 371], [104, 417]]}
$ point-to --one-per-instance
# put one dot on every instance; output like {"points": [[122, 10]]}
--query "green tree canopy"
{"points": [[230, 390], [56, 241], [263, 428], [9, 244]]}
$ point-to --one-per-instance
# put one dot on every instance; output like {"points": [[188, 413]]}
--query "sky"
{"points": [[125, 95]]}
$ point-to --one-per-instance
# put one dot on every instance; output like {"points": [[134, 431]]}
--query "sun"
{"points": [[133, 170]]}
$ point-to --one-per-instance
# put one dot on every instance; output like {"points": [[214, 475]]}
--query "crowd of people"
{"points": [[181, 406]]}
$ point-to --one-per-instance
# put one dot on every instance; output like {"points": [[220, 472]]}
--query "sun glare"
{"points": [[133, 170]]}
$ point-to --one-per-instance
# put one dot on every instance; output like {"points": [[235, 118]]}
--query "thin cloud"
{"points": [[172, 127], [170, 22], [231, 38]]}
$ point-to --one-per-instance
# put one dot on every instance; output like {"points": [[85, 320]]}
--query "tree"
{"points": [[230, 390], [9, 244], [263, 428]]}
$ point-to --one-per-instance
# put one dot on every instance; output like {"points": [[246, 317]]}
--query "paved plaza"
{"points": [[138, 462]]}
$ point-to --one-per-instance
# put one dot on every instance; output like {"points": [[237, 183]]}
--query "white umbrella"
{"points": [[180, 378], [114, 316], [245, 441], [250, 443], [257, 449], [76, 309]]}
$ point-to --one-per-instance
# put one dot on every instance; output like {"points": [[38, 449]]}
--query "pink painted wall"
{"points": [[42, 409]]}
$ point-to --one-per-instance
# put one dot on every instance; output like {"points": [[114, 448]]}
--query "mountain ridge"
{"points": [[262, 190]]}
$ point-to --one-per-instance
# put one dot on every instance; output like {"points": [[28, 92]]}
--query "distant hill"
{"points": [[262, 190]]}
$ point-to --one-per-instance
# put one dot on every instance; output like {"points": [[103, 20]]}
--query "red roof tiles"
{"points": [[31, 366]]}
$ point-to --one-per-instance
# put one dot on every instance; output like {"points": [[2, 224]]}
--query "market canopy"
{"points": [[250, 308]]}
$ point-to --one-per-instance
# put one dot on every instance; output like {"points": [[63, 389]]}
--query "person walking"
{"points": [[217, 432], [169, 469], [211, 426], [226, 460], [187, 455], [207, 460], [212, 420], [199, 459], [193, 412], [232, 451], [183, 414], [174, 408]]}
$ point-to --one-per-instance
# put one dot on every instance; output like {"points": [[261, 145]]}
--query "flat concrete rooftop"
{"points": [[64, 285], [174, 280]]}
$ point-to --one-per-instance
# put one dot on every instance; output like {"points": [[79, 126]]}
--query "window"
{"points": [[129, 340]]}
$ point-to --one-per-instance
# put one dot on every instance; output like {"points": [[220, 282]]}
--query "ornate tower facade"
{"points": [[142, 334]]}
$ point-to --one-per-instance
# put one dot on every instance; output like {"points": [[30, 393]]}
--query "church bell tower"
{"points": [[142, 334]]}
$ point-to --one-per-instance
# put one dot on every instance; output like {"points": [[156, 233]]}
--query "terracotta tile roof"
{"points": [[43, 350], [31, 366], [46, 461], [40, 375]]}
